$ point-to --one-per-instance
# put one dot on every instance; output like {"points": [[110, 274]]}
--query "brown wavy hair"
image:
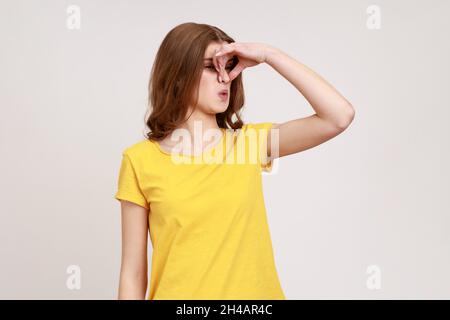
{"points": [[175, 78]]}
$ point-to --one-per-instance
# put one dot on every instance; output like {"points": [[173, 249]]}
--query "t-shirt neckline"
{"points": [[202, 154]]}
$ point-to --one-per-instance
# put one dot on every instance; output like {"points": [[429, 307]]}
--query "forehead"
{"points": [[213, 47]]}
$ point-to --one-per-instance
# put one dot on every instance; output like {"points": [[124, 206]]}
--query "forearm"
{"points": [[326, 101], [132, 287]]}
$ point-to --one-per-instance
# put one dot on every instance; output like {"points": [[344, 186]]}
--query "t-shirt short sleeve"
{"points": [[128, 184], [263, 131]]}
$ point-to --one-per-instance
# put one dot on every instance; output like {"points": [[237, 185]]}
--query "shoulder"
{"points": [[258, 126], [137, 149]]}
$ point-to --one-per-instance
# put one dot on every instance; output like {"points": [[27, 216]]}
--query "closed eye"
{"points": [[212, 67]]}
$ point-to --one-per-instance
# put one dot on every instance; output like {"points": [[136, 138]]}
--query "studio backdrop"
{"points": [[365, 215]]}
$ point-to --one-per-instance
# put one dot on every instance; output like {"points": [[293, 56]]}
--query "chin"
{"points": [[220, 108]]}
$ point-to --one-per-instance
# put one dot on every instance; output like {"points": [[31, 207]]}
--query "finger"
{"points": [[236, 71], [222, 64], [216, 63], [225, 77], [226, 58], [219, 64], [226, 48], [221, 73], [225, 52], [221, 58]]}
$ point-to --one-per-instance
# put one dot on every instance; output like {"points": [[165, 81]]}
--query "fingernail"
{"points": [[218, 53]]}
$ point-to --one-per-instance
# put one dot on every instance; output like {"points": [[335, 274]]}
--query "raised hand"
{"points": [[249, 55]]}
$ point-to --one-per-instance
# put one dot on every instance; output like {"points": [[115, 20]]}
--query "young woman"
{"points": [[207, 219]]}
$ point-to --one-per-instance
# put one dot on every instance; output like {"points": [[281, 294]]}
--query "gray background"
{"points": [[72, 100]]}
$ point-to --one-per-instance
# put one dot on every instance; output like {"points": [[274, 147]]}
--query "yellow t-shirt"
{"points": [[207, 221]]}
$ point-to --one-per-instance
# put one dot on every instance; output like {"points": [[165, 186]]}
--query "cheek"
{"points": [[208, 84], [208, 77]]}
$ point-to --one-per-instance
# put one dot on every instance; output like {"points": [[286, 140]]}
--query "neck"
{"points": [[202, 129]]}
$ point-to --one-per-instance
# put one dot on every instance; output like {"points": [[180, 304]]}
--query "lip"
{"points": [[223, 94]]}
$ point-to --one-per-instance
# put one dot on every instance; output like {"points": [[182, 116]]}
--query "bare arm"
{"points": [[133, 271], [333, 113]]}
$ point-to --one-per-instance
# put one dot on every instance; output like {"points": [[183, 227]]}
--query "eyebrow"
{"points": [[210, 59]]}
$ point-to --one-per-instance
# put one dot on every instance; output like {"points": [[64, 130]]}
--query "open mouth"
{"points": [[223, 95]]}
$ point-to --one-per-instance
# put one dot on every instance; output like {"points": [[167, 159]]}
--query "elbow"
{"points": [[132, 287], [347, 118]]}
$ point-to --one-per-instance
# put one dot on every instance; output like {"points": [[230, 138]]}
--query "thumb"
{"points": [[236, 71]]}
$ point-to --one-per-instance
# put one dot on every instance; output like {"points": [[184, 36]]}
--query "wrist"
{"points": [[270, 53]]}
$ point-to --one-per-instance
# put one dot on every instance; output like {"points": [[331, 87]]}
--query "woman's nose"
{"points": [[223, 76]]}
